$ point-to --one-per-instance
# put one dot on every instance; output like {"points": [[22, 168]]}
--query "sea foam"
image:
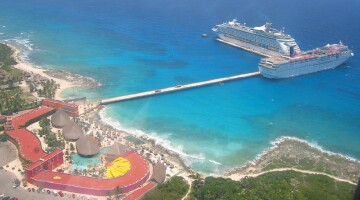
{"points": [[162, 140]]}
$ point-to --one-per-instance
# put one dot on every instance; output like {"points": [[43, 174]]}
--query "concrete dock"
{"points": [[176, 88], [243, 47]]}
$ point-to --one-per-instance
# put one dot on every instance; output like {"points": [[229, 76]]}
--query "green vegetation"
{"points": [[6, 59], [4, 137], [174, 189], [49, 89], [300, 155], [50, 139], [274, 185], [11, 75], [11, 101], [12, 98], [44, 124], [72, 148]]}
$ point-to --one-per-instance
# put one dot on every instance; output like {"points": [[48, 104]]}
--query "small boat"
{"points": [[204, 35]]}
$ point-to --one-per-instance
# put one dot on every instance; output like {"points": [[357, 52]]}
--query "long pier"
{"points": [[176, 88]]}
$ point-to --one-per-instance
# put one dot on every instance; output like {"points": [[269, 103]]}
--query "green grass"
{"points": [[275, 185], [174, 189]]}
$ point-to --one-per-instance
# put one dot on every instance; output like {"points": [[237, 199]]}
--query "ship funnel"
{"points": [[267, 26]]}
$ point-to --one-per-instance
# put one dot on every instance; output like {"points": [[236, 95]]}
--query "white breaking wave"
{"points": [[159, 140], [312, 144], [25, 46], [281, 139], [216, 163]]}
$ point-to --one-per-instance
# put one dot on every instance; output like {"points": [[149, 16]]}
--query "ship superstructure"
{"points": [[262, 40], [299, 63]]}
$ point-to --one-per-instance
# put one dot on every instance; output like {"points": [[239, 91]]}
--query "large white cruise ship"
{"points": [[299, 63], [262, 40]]}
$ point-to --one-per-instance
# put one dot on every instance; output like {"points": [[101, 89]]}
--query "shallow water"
{"points": [[80, 162]]}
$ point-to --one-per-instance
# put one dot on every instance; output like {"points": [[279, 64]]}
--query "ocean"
{"points": [[133, 46]]}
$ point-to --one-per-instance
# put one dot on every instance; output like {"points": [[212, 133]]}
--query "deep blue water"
{"points": [[132, 46]]}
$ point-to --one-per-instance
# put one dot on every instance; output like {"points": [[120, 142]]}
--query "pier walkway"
{"points": [[176, 88]]}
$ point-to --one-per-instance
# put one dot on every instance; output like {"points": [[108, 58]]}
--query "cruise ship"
{"points": [[300, 63], [262, 40]]}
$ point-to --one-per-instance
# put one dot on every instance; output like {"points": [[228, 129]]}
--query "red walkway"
{"points": [[30, 149], [29, 145], [33, 114], [137, 175], [137, 194]]}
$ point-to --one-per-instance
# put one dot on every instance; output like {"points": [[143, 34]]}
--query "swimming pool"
{"points": [[80, 162]]}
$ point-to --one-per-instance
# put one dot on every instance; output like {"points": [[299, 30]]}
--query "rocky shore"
{"points": [[298, 154]]}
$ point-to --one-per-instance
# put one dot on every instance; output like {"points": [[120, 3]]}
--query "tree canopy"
{"points": [[274, 185]]}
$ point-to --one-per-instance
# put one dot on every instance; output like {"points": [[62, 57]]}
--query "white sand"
{"points": [[28, 67]]}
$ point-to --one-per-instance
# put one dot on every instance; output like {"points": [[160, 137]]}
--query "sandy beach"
{"points": [[66, 81]]}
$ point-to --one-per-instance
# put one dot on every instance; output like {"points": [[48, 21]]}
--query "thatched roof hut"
{"points": [[60, 119], [159, 173], [87, 146], [72, 131], [118, 149]]}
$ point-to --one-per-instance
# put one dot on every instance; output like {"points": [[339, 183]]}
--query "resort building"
{"points": [[71, 109], [41, 171], [48, 162]]}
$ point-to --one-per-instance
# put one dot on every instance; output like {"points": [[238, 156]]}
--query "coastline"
{"points": [[291, 153], [69, 80], [343, 167]]}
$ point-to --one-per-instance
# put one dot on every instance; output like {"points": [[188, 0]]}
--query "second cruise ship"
{"points": [[262, 40]]}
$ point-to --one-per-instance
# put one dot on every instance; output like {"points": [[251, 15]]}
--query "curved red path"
{"points": [[137, 194], [136, 176], [29, 145], [30, 149]]}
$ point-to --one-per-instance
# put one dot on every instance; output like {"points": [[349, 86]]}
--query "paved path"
{"points": [[176, 88], [6, 179]]}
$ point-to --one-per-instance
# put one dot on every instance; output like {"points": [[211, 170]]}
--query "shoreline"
{"points": [[268, 153], [149, 143], [69, 80], [300, 155]]}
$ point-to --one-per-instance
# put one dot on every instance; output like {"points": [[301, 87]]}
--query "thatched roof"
{"points": [[60, 119], [118, 149], [159, 173], [72, 131], [87, 146]]}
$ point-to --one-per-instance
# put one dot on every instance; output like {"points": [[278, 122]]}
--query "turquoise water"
{"points": [[133, 46], [80, 162]]}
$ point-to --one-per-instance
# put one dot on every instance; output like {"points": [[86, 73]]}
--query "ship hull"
{"points": [[296, 69], [247, 46]]}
